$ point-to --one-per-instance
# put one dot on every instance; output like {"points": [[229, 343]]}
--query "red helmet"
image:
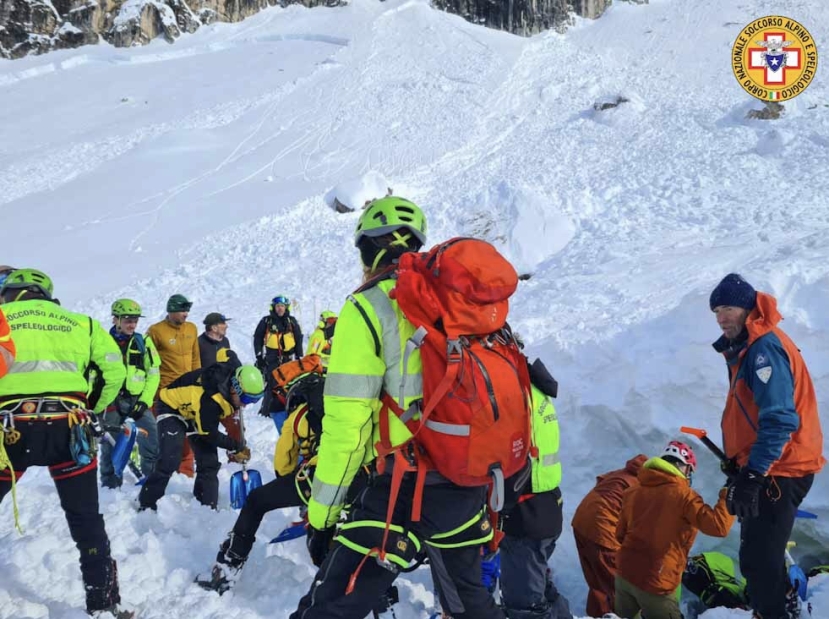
{"points": [[681, 452]]}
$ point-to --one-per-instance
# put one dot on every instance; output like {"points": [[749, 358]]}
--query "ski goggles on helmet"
{"points": [[281, 300], [246, 398]]}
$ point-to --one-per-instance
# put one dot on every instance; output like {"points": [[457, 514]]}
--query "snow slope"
{"points": [[203, 168]]}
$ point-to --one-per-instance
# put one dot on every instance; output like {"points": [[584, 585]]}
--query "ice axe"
{"points": [[243, 482], [702, 435]]}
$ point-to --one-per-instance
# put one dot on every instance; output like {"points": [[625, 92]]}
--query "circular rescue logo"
{"points": [[774, 58]]}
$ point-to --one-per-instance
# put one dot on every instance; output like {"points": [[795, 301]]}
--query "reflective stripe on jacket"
{"points": [[143, 373], [360, 369], [54, 349], [545, 461]]}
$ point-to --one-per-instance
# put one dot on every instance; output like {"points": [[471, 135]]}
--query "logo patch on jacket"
{"points": [[760, 361], [764, 374]]}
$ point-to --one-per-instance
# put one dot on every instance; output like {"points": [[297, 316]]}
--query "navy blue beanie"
{"points": [[733, 291]]}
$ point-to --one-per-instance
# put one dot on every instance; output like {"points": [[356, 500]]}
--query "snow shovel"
{"points": [[292, 531], [243, 482], [122, 450]]}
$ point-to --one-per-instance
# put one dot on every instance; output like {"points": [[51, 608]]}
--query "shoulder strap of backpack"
{"points": [[142, 350]]}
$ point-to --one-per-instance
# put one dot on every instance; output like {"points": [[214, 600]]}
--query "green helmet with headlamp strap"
{"points": [[388, 215]]}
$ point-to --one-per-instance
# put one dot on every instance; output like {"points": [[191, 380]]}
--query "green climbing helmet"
{"points": [[389, 214], [248, 383], [126, 307], [29, 279], [327, 316]]}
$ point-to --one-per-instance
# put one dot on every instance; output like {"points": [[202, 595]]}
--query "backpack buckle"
{"points": [[454, 349]]}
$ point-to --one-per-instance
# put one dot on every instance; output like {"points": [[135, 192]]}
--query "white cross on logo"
{"points": [[778, 60]]}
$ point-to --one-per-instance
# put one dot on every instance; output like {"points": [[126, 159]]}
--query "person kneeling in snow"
{"points": [[294, 460], [192, 405], [657, 527]]}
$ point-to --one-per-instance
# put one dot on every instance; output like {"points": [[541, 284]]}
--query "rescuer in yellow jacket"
{"points": [[45, 421], [367, 360], [323, 336]]}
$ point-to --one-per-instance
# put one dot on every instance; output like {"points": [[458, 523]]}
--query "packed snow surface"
{"points": [[209, 168]]}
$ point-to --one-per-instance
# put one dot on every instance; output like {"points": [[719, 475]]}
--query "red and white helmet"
{"points": [[681, 452]]}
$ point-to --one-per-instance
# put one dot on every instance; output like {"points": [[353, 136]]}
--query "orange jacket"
{"points": [[770, 421], [659, 522], [7, 349], [178, 347], [598, 513]]}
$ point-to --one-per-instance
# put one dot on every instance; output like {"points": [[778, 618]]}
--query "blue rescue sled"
{"points": [[802, 513]]}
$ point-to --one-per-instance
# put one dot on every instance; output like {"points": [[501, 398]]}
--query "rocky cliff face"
{"points": [[525, 17], [38, 26]]}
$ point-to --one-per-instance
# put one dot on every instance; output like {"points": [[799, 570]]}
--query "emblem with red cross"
{"points": [[773, 59]]}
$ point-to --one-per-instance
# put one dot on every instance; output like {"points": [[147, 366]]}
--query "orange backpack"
{"points": [[473, 425], [287, 373]]}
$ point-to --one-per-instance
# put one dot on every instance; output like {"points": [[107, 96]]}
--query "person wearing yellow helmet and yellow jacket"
{"points": [[321, 339], [193, 405], [43, 402], [371, 357]]}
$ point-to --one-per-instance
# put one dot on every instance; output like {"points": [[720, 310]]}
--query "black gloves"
{"points": [[743, 497], [319, 543], [260, 363], [730, 468], [138, 410]]}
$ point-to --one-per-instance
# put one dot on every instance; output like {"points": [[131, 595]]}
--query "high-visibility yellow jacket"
{"points": [[55, 347], [318, 344], [178, 347], [365, 362], [293, 443]]}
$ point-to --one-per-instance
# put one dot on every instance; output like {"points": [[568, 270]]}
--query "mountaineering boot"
{"points": [[228, 566], [222, 578]]}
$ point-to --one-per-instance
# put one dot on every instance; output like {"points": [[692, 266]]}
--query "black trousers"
{"points": [[46, 443], [171, 434], [456, 571], [276, 494], [763, 545]]}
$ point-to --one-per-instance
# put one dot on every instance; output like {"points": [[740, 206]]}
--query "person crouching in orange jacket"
{"points": [[657, 527], [594, 528]]}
